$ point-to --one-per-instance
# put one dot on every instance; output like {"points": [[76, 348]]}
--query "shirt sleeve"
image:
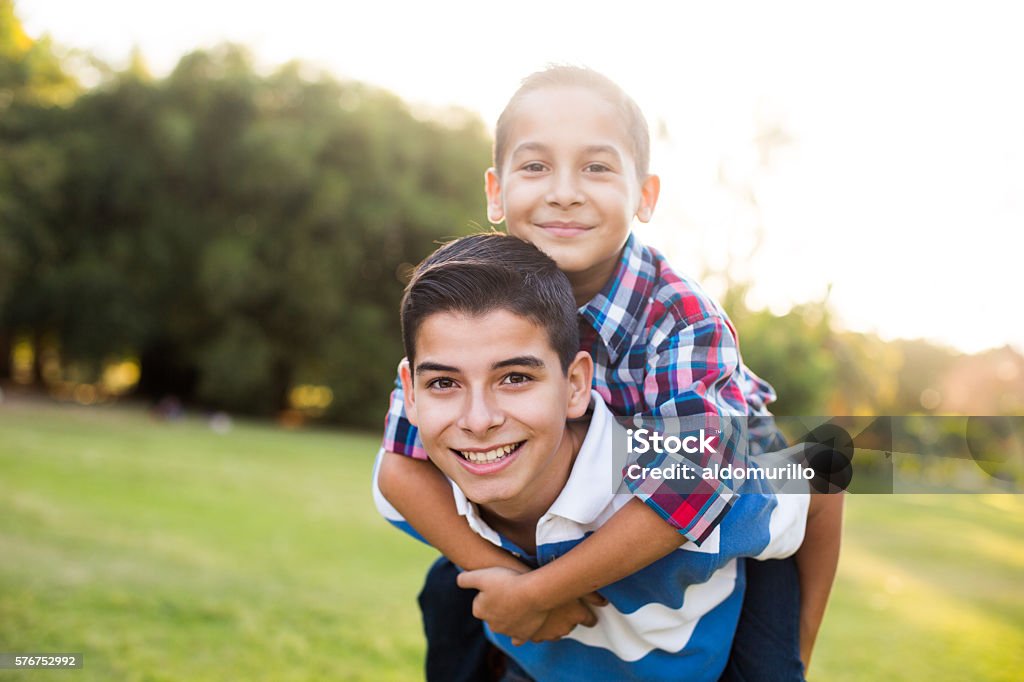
{"points": [[390, 514], [400, 436], [694, 370], [764, 524], [787, 526]]}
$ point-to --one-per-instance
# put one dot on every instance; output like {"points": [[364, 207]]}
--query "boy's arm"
{"points": [[541, 604], [633, 538], [816, 563], [423, 496]]}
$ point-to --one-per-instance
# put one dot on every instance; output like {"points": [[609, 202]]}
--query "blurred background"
{"points": [[208, 212]]}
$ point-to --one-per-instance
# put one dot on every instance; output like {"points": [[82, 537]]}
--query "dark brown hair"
{"points": [[580, 77], [493, 271]]}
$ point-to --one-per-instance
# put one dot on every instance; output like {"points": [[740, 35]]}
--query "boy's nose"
{"points": [[564, 190], [480, 414]]}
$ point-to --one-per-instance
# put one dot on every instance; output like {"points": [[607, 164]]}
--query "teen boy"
{"points": [[570, 173], [494, 382]]}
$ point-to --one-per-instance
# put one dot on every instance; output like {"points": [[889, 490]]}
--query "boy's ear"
{"points": [[580, 374], [405, 373], [649, 191], [492, 187]]}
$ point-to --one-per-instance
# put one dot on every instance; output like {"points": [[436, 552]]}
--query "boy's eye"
{"points": [[534, 167], [441, 383], [597, 168], [516, 378]]}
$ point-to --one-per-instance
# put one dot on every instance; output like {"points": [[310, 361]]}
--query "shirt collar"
{"points": [[615, 312], [589, 488]]}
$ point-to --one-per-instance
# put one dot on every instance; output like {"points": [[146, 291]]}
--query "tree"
{"points": [[239, 233], [33, 86]]}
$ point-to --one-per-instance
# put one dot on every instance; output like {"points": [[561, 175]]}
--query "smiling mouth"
{"points": [[563, 232], [495, 455], [564, 226]]}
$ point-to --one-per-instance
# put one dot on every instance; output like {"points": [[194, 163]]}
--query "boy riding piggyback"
{"points": [[570, 175]]}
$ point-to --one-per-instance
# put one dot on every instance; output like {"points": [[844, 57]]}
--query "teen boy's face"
{"points": [[569, 182], [491, 401]]}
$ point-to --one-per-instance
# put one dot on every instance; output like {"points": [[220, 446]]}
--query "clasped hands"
{"points": [[506, 601]]}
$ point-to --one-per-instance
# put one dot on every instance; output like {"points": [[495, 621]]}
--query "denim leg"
{"points": [[514, 673], [767, 643], [457, 648]]}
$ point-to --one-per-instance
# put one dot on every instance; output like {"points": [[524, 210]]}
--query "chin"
{"points": [[486, 494], [568, 263]]}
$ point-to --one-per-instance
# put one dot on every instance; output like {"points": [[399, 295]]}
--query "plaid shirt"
{"points": [[664, 348]]}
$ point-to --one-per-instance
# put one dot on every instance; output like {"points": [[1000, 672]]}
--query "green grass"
{"points": [[930, 587], [168, 552], [164, 551]]}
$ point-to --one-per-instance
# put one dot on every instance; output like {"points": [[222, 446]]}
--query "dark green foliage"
{"points": [[240, 233]]}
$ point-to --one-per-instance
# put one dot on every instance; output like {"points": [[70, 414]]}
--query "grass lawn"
{"points": [[164, 551]]}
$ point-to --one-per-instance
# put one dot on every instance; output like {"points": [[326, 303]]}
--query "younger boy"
{"points": [[493, 381], [570, 174]]}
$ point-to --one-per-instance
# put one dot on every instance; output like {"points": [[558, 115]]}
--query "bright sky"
{"points": [[903, 186]]}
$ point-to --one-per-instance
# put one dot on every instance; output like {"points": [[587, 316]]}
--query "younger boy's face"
{"points": [[569, 182], [490, 400]]}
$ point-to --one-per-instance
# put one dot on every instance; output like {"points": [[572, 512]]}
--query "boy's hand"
{"points": [[502, 603], [561, 620], [505, 604]]}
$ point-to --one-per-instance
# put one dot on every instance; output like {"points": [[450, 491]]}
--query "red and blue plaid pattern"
{"points": [[664, 348]]}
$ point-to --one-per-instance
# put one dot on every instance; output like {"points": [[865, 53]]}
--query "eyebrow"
{"points": [[530, 147], [589, 150], [434, 367], [518, 361], [602, 149]]}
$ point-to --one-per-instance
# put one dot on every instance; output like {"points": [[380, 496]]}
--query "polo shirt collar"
{"points": [[614, 313], [589, 488]]}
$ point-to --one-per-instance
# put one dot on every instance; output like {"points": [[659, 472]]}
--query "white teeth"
{"points": [[489, 456]]}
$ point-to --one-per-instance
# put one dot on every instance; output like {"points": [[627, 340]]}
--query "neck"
{"points": [[588, 283], [517, 519]]}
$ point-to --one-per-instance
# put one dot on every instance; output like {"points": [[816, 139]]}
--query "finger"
{"points": [[553, 634], [478, 610], [555, 630], [595, 598], [577, 613], [468, 580]]}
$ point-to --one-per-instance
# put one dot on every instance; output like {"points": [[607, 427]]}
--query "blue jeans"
{"points": [[767, 642], [766, 647], [457, 648]]}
